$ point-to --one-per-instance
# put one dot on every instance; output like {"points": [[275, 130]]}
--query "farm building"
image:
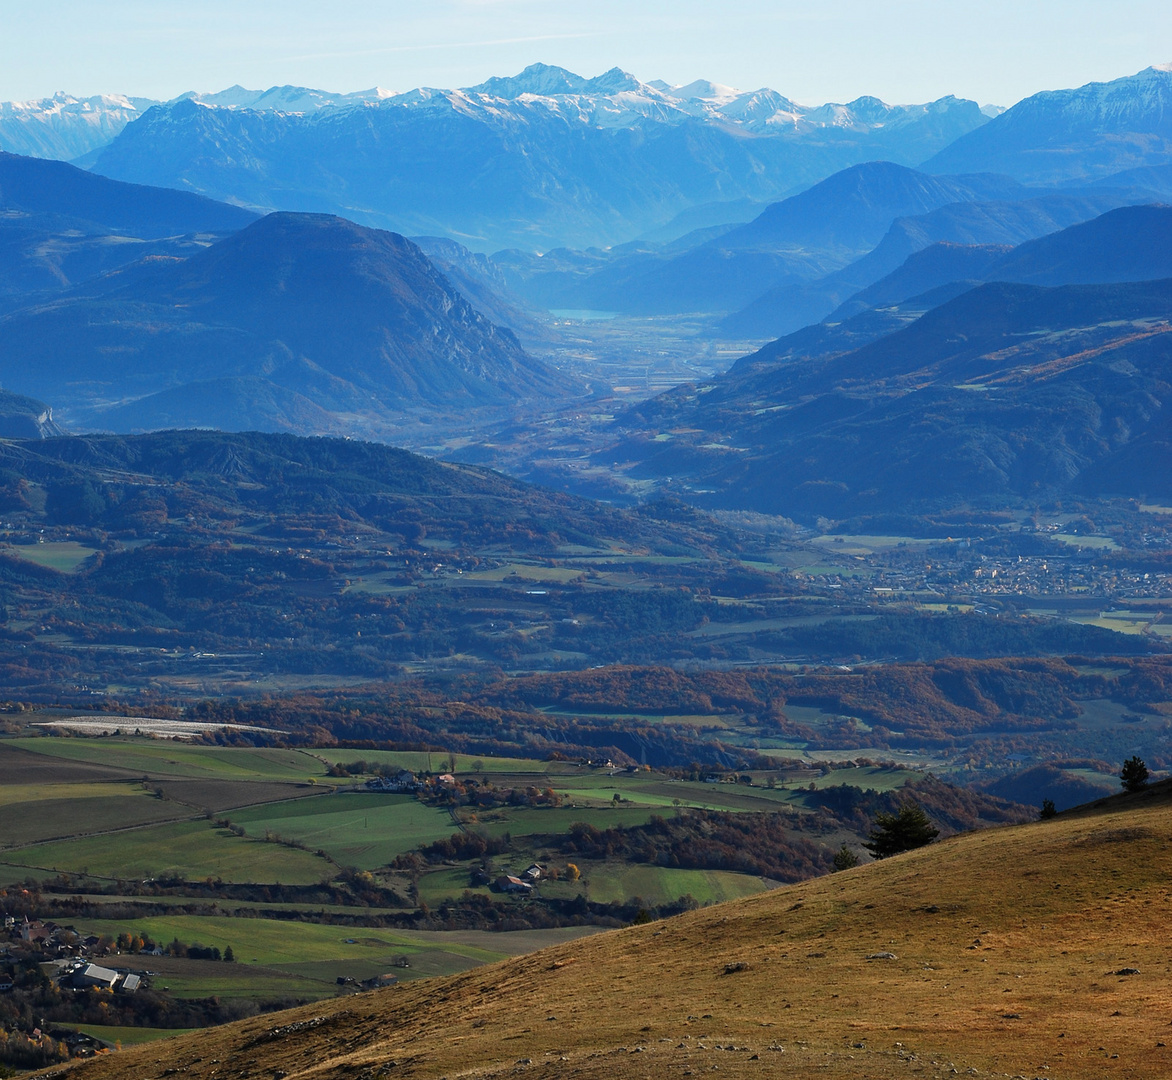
{"points": [[509, 884], [93, 975]]}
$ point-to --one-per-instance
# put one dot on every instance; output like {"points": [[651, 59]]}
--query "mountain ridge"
{"points": [[602, 162]]}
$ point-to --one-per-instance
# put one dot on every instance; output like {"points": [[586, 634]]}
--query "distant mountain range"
{"points": [[68, 128], [548, 158], [299, 322], [802, 257], [542, 159]]}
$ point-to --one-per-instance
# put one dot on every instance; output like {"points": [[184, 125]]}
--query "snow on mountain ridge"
{"points": [[68, 127]]}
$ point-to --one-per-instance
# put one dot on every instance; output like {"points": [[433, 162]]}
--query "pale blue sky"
{"points": [[901, 50]]}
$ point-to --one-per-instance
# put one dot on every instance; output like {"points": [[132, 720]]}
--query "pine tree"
{"points": [[1134, 774], [844, 858], [892, 833]]}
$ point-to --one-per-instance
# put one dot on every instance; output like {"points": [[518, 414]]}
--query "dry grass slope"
{"points": [[1007, 950]]}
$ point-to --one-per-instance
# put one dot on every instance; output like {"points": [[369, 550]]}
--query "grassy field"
{"points": [[127, 1036], [278, 958], [659, 884], [63, 555], [191, 849], [360, 830], [419, 762]]}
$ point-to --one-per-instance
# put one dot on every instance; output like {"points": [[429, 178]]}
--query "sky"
{"points": [[904, 51]]}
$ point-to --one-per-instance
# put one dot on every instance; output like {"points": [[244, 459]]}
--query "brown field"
{"points": [[1007, 948], [217, 795], [20, 766]]}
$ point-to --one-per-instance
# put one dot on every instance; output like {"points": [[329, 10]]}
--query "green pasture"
{"points": [[26, 794], [164, 757], [361, 830], [127, 1036], [526, 572], [1099, 543], [660, 794], [248, 981], [63, 555], [522, 821], [620, 882], [276, 958], [190, 849]]}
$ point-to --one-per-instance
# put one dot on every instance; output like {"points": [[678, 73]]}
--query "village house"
{"points": [[402, 781], [506, 883]]}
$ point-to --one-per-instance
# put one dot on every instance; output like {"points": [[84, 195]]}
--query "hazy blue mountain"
{"points": [[482, 284], [786, 308], [1061, 136], [1132, 243], [53, 187], [934, 266], [327, 314], [853, 209], [60, 225], [1004, 393], [791, 243], [542, 159], [705, 216]]}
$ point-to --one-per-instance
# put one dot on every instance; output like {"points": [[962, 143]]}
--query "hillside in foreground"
{"points": [[1036, 950]]}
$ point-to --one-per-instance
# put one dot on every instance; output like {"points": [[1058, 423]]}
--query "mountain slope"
{"points": [[354, 320], [1073, 135], [1004, 393], [852, 209], [990, 953], [1133, 243], [26, 418]]}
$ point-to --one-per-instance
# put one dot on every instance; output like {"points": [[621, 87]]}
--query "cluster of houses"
{"points": [[47, 937], [403, 781], [75, 970]]}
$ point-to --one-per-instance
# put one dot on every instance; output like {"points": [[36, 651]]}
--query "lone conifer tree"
{"points": [[1134, 774], [845, 859], [893, 833]]}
